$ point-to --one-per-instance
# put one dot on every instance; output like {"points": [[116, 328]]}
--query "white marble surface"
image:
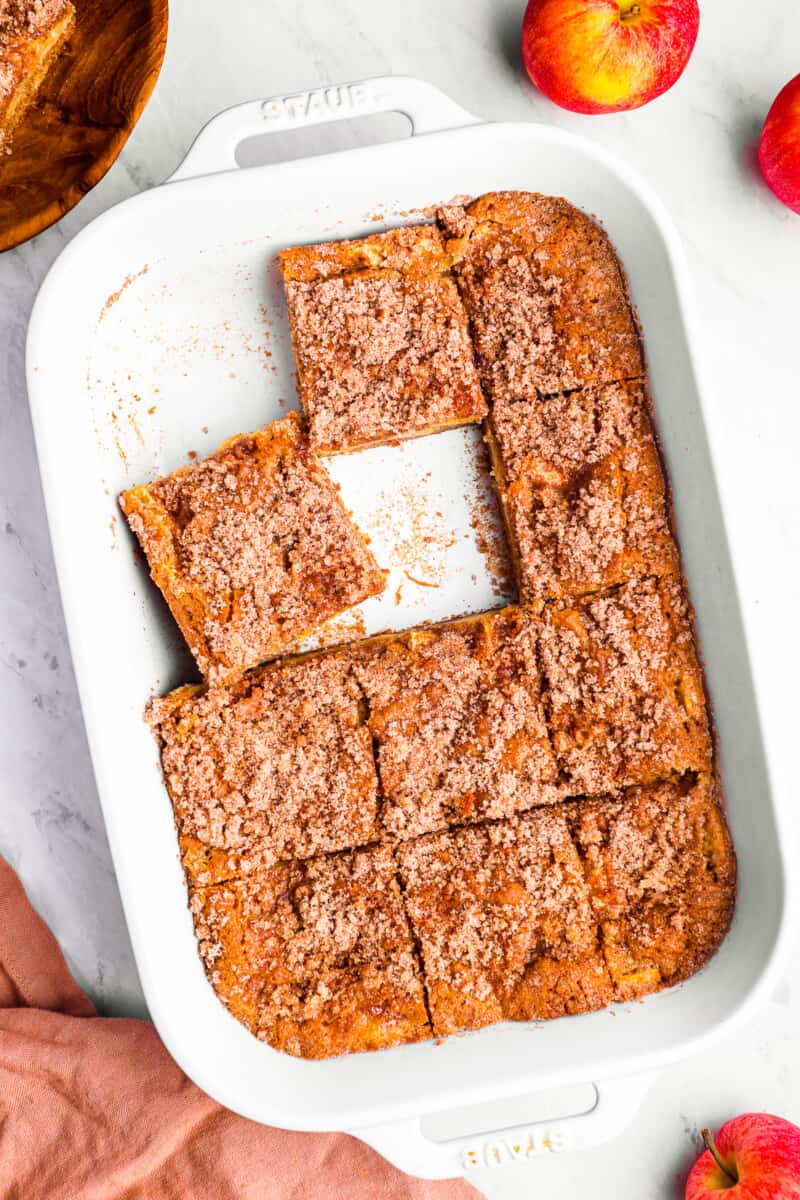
{"points": [[695, 147]]}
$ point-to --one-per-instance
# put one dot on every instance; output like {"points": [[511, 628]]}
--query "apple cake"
{"points": [[581, 490], [624, 689], [458, 723], [661, 875], [316, 958], [279, 765], [32, 35], [513, 815], [380, 339], [545, 295], [504, 921], [252, 548]]}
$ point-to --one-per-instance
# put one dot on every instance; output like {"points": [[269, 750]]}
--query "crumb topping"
{"points": [[583, 489], [544, 293], [21, 20], [316, 956], [511, 816], [625, 694], [490, 905], [254, 547], [458, 723], [278, 766], [661, 874], [382, 354], [551, 439]]}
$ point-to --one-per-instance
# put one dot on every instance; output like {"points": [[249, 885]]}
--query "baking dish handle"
{"points": [[405, 1145], [428, 109]]}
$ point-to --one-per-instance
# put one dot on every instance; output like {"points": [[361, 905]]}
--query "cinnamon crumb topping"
{"points": [[21, 20], [661, 874], [457, 718], [503, 917], [499, 899], [544, 294], [624, 689], [316, 958], [278, 766], [583, 490], [381, 339], [252, 547]]}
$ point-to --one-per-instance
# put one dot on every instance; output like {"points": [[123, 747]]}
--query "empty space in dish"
{"points": [[206, 245], [213, 359]]}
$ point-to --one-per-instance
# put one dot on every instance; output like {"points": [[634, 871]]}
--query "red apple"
{"points": [[754, 1157], [779, 148], [601, 56]]}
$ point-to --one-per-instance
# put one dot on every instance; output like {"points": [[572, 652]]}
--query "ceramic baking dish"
{"points": [[161, 330]]}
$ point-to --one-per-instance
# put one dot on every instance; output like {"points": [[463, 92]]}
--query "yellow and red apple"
{"points": [[602, 56], [753, 1157], [779, 147]]}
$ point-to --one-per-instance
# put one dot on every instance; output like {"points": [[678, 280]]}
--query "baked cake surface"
{"points": [[380, 337], [582, 490], [504, 922], [626, 703], [506, 816], [316, 957], [458, 722], [545, 295], [277, 766], [32, 34], [662, 877], [251, 547]]}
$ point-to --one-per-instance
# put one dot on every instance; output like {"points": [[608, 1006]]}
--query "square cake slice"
{"points": [[32, 34], [545, 295], [662, 878], [380, 338], [504, 923], [315, 958], [457, 718], [251, 547], [625, 694], [581, 489], [278, 766]]}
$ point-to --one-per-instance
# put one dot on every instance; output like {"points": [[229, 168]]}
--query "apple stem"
{"points": [[714, 1152]]}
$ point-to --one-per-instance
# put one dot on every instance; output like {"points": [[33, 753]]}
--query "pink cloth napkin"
{"points": [[94, 1108]]}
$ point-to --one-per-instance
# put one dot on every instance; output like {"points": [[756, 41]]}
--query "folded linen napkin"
{"points": [[94, 1108]]}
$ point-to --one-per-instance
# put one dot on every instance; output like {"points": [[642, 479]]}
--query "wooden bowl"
{"points": [[83, 113]]}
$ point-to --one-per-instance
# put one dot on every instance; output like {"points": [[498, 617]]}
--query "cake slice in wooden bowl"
{"points": [[32, 34]]}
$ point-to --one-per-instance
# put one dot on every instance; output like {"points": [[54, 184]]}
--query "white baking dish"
{"points": [[191, 327]]}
